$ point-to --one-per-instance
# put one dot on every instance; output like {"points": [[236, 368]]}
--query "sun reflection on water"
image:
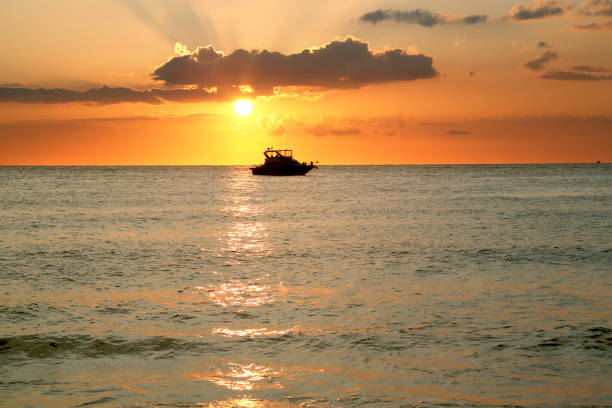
{"points": [[247, 238], [239, 377], [250, 332], [237, 293], [239, 403], [240, 192]]}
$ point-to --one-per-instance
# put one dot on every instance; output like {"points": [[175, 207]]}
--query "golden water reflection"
{"points": [[251, 332], [248, 238], [238, 377], [237, 293], [241, 403]]}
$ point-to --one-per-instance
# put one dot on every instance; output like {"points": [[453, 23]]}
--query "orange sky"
{"points": [[360, 82]]}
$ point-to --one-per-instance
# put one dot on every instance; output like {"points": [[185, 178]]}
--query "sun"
{"points": [[243, 107]]}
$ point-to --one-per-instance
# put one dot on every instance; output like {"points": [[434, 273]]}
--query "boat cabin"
{"points": [[270, 153]]}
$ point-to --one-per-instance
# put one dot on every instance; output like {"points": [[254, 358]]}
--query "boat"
{"points": [[280, 162]]}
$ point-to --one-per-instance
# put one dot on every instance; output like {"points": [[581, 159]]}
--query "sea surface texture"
{"points": [[353, 286]]}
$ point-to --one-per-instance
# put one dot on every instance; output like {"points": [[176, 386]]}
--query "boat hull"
{"points": [[282, 170]]}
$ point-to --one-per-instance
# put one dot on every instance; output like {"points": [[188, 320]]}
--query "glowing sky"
{"points": [[342, 82]]}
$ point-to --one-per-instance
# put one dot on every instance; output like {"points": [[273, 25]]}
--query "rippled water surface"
{"points": [[354, 286]]}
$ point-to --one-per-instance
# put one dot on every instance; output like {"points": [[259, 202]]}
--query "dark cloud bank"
{"points": [[215, 76], [339, 64], [421, 17]]}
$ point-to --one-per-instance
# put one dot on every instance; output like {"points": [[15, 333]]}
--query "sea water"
{"points": [[354, 286]]}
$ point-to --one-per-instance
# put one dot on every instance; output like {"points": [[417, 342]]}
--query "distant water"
{"points": [[354, 286]]}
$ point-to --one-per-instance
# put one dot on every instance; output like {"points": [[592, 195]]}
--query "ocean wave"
{"points": [[551, 255], [51, 346]]}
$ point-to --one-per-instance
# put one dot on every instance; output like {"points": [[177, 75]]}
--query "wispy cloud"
{"points": [[458, 132], [108, 95], [527, 120], [102, 96], [352, 126], [421, 17], [587, 68], [607, 26], [575, 76], [325, 125]]}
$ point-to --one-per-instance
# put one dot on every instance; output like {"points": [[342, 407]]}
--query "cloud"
{"points": [[421, 17], [339, 64], [181, 49], [323, 129], [607, 26], [377, 16], [543, 44], [101, 96], [332, 125], [353, 127], [597, 8], [575, 73], [278, 125], [458, 132], [192, 95], [538, 10], [424, 18], [586, 68], [107, 95], [326, 125], [574, 76], [114, 119], [475, 19], [383, 140], [526, 120], [538, 64]]}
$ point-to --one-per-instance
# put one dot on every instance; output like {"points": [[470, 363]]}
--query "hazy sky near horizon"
{"points": [[367, 81]]}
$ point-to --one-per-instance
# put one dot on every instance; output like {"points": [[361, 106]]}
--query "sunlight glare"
{"points": [[243, 107]]}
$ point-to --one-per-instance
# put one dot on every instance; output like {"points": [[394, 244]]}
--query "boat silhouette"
{"points": [[280, 162]]}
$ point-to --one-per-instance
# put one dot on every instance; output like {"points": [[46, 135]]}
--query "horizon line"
{"points": [[324, 165]]}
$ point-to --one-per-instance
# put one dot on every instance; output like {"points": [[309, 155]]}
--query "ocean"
{"points": [[353, 286]]}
